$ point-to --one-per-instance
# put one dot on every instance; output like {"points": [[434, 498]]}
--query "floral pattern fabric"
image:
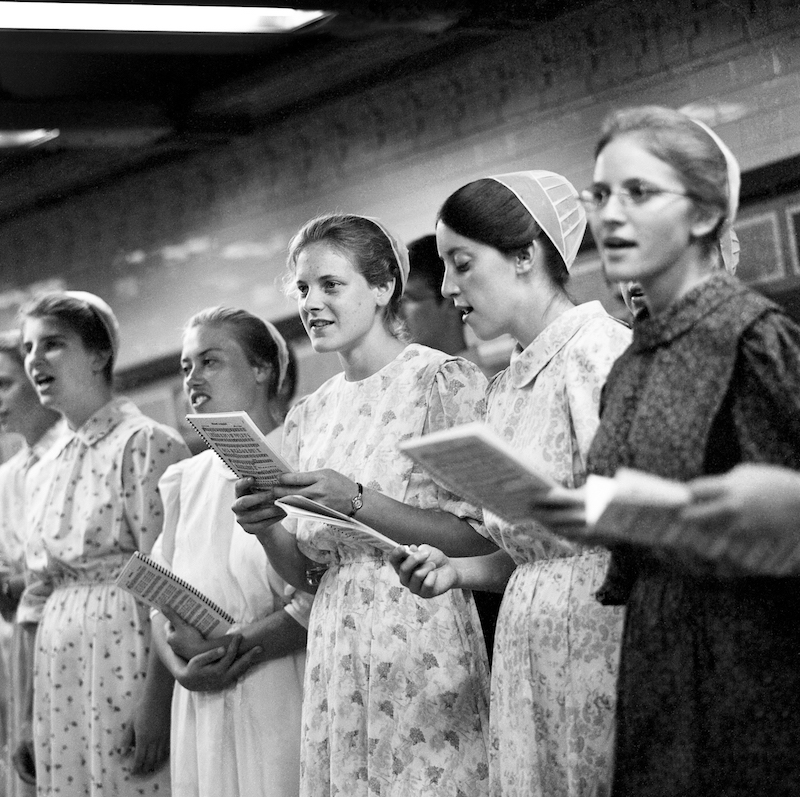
{"points": [[242, 741], [396, 690], [556, 649], [98, 502]]}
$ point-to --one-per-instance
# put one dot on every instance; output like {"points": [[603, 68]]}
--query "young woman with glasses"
{"points": [[710, 667]]}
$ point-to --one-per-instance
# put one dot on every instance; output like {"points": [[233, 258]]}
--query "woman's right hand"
{"points": [[216, 669], [255, 511], [424, 570]]}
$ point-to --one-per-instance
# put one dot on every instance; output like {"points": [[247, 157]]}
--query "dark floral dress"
{"points": [[709, 684]]}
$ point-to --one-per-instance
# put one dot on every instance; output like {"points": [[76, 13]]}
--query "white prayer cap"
{"points": [[553, 202]]}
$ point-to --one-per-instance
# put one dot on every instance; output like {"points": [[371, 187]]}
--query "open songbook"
{"points": [[241, 446], [643, 510], [474, 462], [298, 506], [633, 508]]}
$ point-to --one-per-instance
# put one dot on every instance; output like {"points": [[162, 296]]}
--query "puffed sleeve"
{"points": [[457, 396], [591, 355], [290, 450], [148, 453], [169, 488], [766, 391]]}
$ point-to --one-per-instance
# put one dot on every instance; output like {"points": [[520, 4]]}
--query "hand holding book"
{"points": [[298, 506], [745, 522], [241, 446]]}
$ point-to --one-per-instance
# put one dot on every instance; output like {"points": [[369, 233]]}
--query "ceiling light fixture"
{"points": [[126, 17], [10, 139]]}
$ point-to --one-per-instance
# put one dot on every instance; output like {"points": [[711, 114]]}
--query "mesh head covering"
{"points": [[728, 240], [553, 202], [104, 313], [400, 252]]}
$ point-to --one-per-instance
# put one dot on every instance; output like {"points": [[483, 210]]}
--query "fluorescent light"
{"points": [[26, 138], [24, 15]]}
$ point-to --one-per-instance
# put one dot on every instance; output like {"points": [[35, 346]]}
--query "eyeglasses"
{"points": [[596, 196]]}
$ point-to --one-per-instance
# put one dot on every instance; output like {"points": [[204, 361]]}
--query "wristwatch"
{"points": [[357, 501]]}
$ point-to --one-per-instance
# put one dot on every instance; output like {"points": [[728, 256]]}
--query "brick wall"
{"points": [[160, 245]]}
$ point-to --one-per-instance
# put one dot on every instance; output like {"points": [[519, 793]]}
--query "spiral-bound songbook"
{"points": [[156, 586], [241, 445]]}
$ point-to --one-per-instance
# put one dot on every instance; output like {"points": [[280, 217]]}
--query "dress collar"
{"points": [[650, 332], [58, 430], [105, 420], [527, 363]]}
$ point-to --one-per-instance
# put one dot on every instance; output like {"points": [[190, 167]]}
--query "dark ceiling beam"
{"points": [[145, 43]]}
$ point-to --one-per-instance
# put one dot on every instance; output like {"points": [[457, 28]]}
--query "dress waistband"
{"points": [[94, 571]]}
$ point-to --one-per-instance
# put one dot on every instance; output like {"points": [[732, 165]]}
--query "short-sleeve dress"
{"points": [[13, 532], [396, 689], [709, 684], [98, 503], [556, 649], [243, 741]]}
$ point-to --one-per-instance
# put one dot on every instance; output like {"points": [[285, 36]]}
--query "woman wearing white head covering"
{"points": [[508, 243], [710, 662], [101, 698], [395, 699]]}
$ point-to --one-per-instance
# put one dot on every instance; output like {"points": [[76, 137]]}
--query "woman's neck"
{"points": [[665, 288], [40, 423], [368, 358], [95, 399], [263, 418], [538, 313]]}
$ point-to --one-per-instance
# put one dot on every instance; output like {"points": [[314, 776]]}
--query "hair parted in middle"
{"points": [[368, 247]]}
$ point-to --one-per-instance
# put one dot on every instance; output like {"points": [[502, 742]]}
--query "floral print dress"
{"points": [[396, 690], [96, 504], [556, 648]]}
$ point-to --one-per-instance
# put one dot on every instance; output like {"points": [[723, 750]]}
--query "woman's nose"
{"points": [[311, 301], [449, 287]]}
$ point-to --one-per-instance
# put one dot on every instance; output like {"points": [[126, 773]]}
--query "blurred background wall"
{"points": [[162, 241]]}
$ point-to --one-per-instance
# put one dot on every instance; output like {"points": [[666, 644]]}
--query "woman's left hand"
{"points": [[146, 737], [218, 668], [184, 639], [328, 487]]}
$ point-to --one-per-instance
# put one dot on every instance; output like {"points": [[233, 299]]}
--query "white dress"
{"points": [[243, 741], [556, 647], [396, 690], [13, 533], [97, 502]]}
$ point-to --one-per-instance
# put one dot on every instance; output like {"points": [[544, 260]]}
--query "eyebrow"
{"points": [[203, 353], [50, 336], [454, 250]]}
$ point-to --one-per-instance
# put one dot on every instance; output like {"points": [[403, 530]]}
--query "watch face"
{"points": [[357, 502]]}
